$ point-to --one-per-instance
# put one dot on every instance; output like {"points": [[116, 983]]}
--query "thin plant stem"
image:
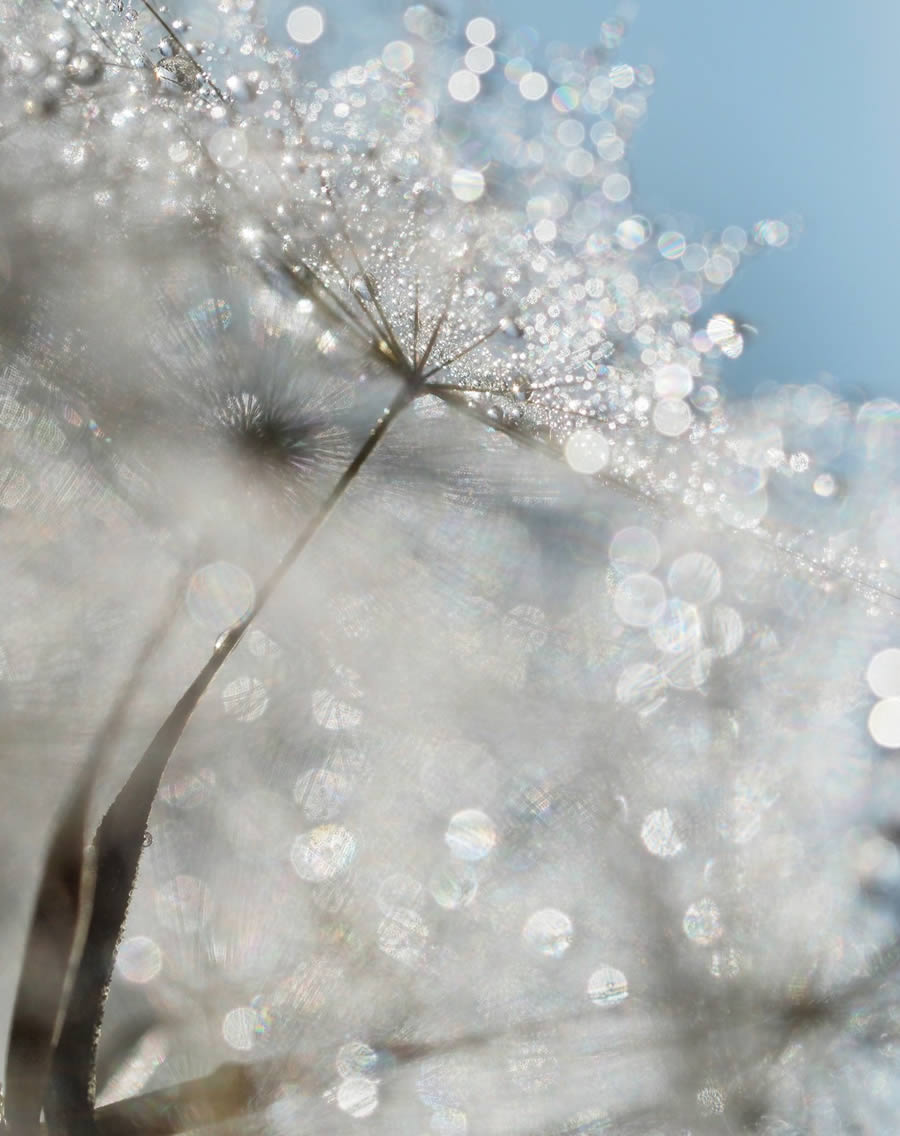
{"points": [[119, 839]]}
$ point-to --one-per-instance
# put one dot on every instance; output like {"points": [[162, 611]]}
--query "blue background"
{"points": [[775, 108]]}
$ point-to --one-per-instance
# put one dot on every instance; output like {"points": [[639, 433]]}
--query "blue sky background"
{"points": [[766, 109], [771, 108]]}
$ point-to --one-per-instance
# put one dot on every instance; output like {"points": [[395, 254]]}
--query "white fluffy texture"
{"points": [[422, 806]]}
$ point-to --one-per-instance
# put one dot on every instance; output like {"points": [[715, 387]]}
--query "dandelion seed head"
{"points": [[485, 682]]}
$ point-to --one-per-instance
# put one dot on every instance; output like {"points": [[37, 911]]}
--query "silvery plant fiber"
{"points": [[429, 706]]}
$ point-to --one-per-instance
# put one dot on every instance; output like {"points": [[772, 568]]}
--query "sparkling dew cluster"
{"points": [[457, 214]]}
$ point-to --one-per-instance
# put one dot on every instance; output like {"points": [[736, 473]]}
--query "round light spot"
{"points": [[545, 230], [640, 684], [245, 699], [467, 185], [305, 24], [634, 549], [825, 485], [323, 853], [723, 333], [678, 630], [587, 451], [470, 835], [671, 244], [184, 904], [883, 673], [711, 1101], [622, 76], [775, 234], [533, 86], [355, 1059], [549, 932], [659, 835], [453, 885], [884, 723], [671, 417], [479, 60], [702, 922], [239, 1027], [403, 934], [481, 31], [607, 986], [695, 578], [632, 233], [139, 959], [616, 187], [333, 713], [219, 594], [398, 56], [639, 600], [357, 1096], [399, 891], [228, 148], [321, 793], [726, 630], [463, 86], [673, 380]]}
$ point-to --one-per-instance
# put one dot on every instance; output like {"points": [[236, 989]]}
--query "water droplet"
{"points": [[219, 594], [245, 699], [883, 673], [549, 932], [239, 1028], [639, 600], [695, 577], [587, 451], [659, 834], [673, 380], [228, 148], [357, 1096], [321, 793], [323, 853], [305, 24], [884, 723], [453, 885], [634, 549], [139, 959], [607, 986], [403, 934], [671, 417], [355, 1058], [85, 68], [470, 835], [702, 922]]}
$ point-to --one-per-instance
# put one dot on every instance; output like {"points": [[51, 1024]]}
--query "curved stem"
{"points": [[119, 839]]}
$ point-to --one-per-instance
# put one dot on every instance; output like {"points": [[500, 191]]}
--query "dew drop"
{"points": [[549, 932], [702, 922], [323, 853], [639, 600], [607, 986], [470, 835]]}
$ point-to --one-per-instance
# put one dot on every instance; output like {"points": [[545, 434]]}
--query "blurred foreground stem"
{"points": [[119, 838]]}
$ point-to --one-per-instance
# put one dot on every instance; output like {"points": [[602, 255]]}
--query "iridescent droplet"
{"points": [[470, 835], [702, 922], [549, 932], [607, 986]]}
